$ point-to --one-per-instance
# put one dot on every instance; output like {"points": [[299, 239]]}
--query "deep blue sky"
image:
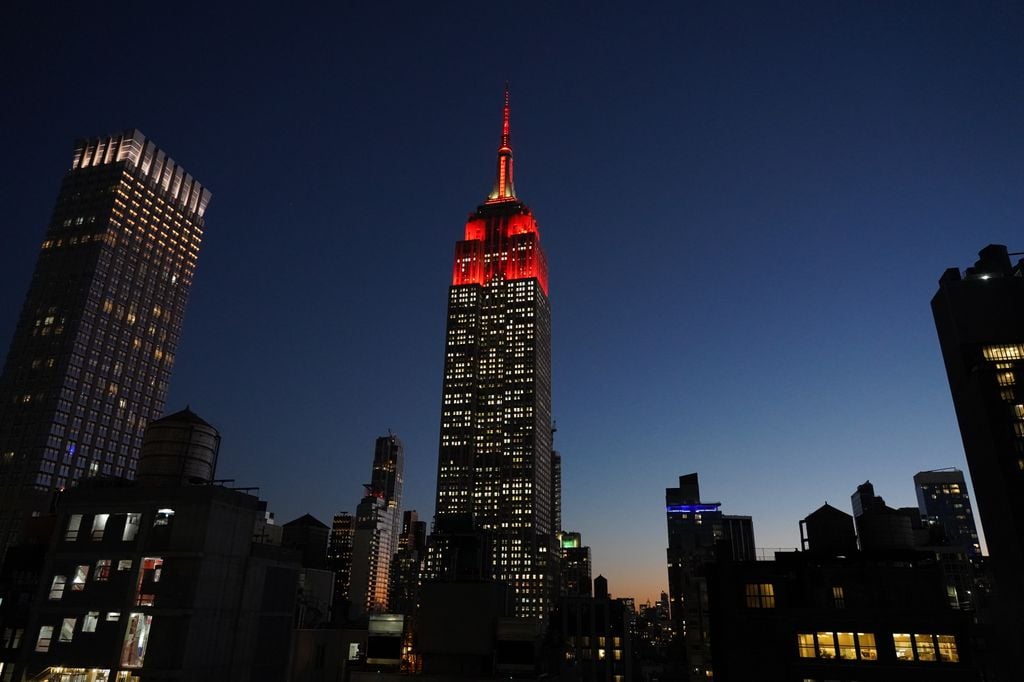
{"points": [[745, 207]]}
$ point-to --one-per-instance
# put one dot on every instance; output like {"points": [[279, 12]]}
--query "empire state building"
{"points": [[494, 512]]}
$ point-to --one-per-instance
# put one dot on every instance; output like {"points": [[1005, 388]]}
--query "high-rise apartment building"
{"points": [[93, 348], [375, 538], [943, 500], [979, 316], [494, 463]]}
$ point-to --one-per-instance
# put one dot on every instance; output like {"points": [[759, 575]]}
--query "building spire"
{"points": [[504, 190]]}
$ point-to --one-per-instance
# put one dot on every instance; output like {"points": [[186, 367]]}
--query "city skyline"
{"points": [[746, 213]]}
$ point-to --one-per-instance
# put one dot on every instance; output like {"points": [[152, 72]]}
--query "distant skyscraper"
{"points": [[943, 500], [414, 532], [92, 352], [494, 464], [864, 499], [407, 565], [881, 528], [979, 316], [339, 554], [375, 539], [699, 533], [574, 567]]}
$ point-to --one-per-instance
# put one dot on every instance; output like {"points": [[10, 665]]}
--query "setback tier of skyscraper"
{"points": [[93, 348], [494, 488]]}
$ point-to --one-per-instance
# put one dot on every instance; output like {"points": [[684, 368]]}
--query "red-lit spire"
{"points": [[505, 138], [504, 190]]}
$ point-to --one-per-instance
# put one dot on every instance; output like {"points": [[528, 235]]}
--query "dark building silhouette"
{"points": [[979, 317], [864, 499], [698, 533], [308, 535], [414, 532], [407, 565], [944, 503], [467, 629], [596, 635], [574, 565], [880, 528], [160, 578], [828, 531], [653, 638], [339, 558], [494, 462], [94, 344], [807, 616]]}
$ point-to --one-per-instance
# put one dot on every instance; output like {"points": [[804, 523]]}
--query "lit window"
{"points": [[133, 652], [45, 635], [74, 523], [78, 580], [805, 644], [866, 644], [1005, 352], [760, 596], [904, 652], [925, 647], [1005, 378], [113, 616], [67, 629], [163, 517], [826, 644], [90, 621], [99, 524], [947, 649], [148, 577], [847, 647], [838, 599], [57, 587], [124, 565], [102, 570], [131, 527]]}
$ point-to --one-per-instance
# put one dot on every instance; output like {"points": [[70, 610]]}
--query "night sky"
{"points": [[745, 207]]}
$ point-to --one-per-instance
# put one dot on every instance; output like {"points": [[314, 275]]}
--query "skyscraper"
{"points": [[698, 534], [943, 500], [407, 565], [339, 557], [375, 539], [93, 348], [494, 463], [574, 565], [979, 316]]}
